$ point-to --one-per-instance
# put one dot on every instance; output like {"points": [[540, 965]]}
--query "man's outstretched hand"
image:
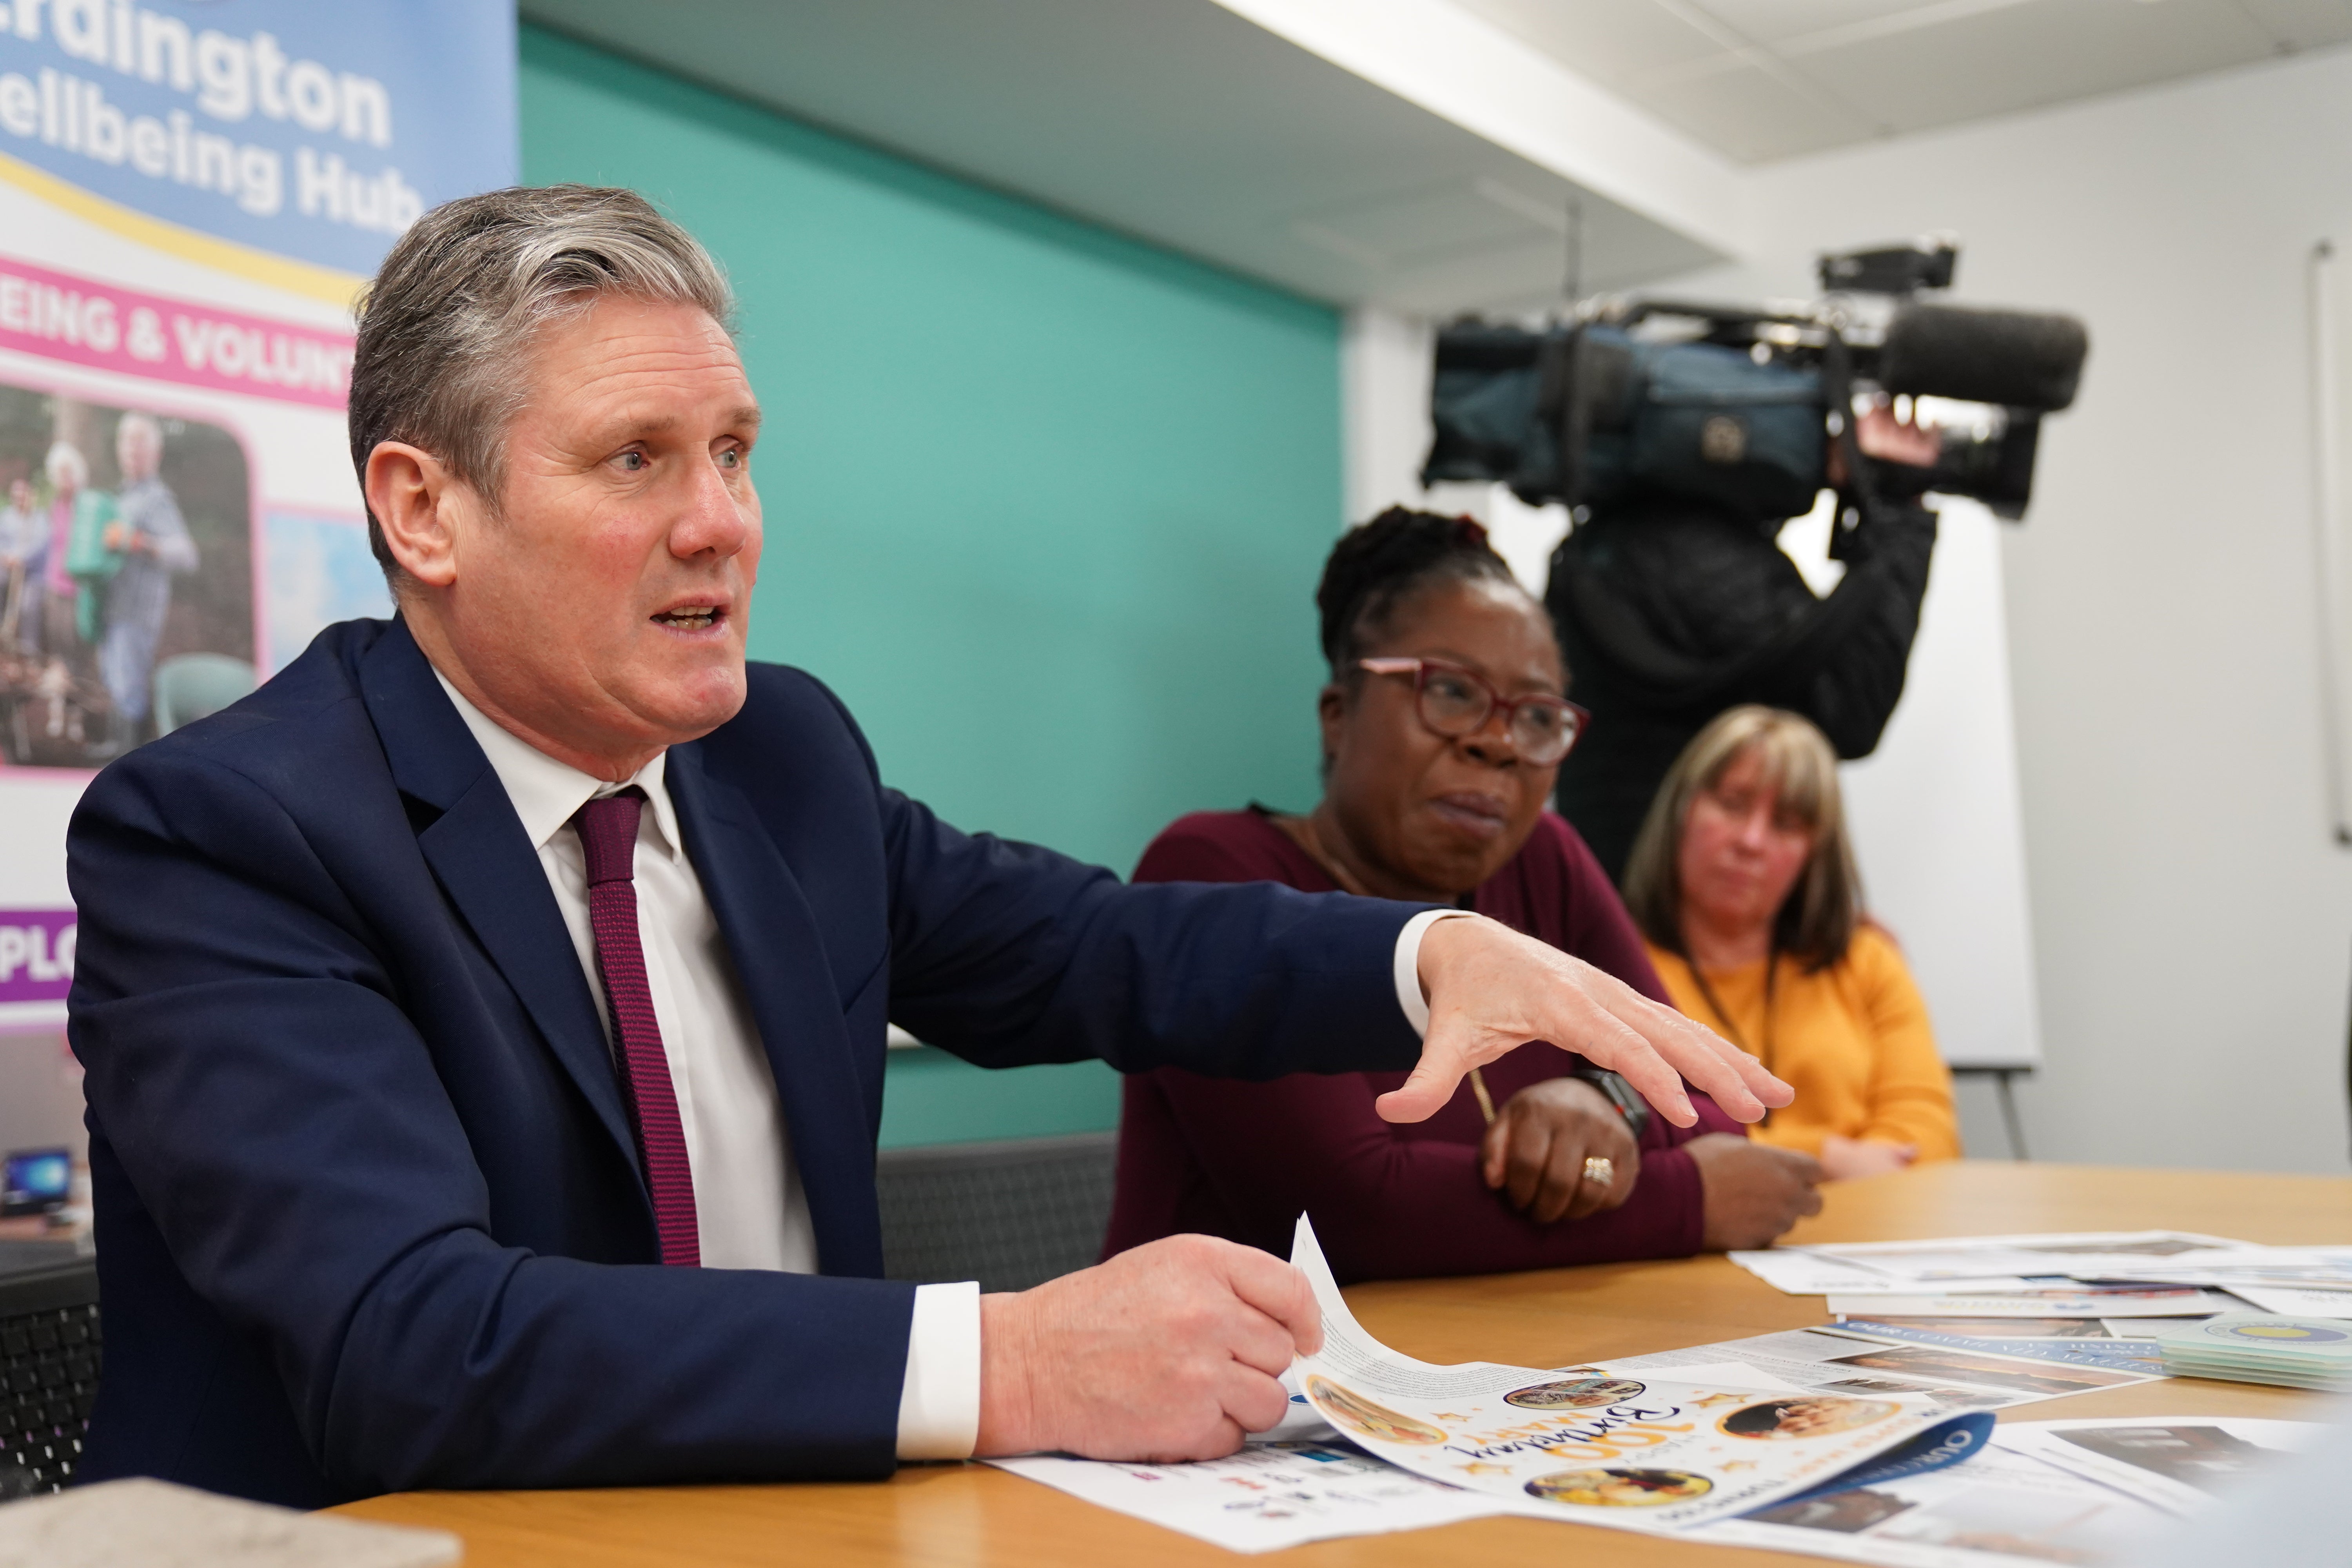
{"points": [[1492, 991], [1173, 1351]]}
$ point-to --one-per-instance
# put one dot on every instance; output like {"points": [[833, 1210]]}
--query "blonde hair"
{"points": [[1816, 921]]}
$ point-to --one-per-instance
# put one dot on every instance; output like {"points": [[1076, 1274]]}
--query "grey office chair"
{"points": [[1010, 1215]]}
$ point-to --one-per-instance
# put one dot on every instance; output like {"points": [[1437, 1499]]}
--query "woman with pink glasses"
{"points": [[1442, 726]]}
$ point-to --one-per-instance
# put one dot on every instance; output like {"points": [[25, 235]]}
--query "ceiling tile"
{"points": [[1851, 69], [2003, 61], [1752, 116], [1606, 40], [1777, 21]]}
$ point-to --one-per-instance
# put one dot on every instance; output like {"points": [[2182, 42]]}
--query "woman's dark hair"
{"points": [[1376, 567]]}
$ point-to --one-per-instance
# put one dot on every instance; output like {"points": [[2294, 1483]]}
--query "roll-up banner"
{"points": [[191, 194]]}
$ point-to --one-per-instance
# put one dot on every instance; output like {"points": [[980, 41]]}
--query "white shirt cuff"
{"points": [[939, 1407], [1408, 965]]}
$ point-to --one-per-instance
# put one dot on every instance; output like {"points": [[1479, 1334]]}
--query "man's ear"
{"points": [[421, 506]]}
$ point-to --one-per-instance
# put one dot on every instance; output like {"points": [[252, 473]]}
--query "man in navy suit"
{"points": [[484, 1020]]}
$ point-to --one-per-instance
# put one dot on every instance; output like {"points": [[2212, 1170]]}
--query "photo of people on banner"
{"points": [[126, 576]]}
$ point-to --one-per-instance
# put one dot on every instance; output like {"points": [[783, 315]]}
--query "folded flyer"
{"points": [[1647, 1453]]}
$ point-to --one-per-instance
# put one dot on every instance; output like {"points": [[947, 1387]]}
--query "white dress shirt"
{"points": [[750, 1210]]}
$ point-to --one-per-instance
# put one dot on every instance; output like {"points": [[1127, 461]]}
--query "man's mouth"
{"points": [[691, 618]]}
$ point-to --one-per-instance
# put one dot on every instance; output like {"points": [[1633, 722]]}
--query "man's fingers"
{"points": [[1712, 1053], [1251, 1401], [1610, 1041], [1279, 1291], [1433, 1082], [1738, 1082], [1260, 1342]]}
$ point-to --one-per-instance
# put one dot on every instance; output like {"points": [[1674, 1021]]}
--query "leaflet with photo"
{"points": [[1653, 1454], [1828, 1362], [1268, 1496], [2012, 1328], [2001, 1507], [2177, 1462]]}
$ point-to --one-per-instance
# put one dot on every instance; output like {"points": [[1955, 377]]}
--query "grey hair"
{"points": [[65, 455], [446, 328], [137, 421]]}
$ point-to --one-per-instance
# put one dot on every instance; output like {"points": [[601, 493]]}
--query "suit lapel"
{"points": [[488, 867], [779, 956]]}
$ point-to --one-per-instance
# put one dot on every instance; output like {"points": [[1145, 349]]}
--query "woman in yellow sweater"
{"points": [[1744, 885]]}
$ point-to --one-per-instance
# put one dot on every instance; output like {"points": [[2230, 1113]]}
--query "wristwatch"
{"points": [[1629, 1104]]}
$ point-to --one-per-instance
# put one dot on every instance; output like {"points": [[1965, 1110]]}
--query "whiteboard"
{"points": [[1938, 820]]}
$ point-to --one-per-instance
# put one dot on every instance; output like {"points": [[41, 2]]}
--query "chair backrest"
{"points": [[1011, 1214], [190, 686]]}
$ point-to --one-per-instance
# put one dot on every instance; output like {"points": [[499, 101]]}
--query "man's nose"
{"points": [[715, 520]]}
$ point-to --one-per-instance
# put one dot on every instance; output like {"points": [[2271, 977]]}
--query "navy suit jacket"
{"points": [[369, 1216]]}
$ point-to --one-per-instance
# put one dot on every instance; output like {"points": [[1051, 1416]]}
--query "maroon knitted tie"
{"points": [[608, 838]]}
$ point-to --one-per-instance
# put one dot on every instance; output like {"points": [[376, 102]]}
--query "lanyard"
{"points": [[1771, 978]]}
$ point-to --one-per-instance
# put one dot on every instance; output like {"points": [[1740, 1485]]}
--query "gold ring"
{"points": [[1599, 1172]]}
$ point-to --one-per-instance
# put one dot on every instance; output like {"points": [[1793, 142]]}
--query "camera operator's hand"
{"points": [[1882, 435], [1536, 1149], [1752, 1192], [1893, 440]]}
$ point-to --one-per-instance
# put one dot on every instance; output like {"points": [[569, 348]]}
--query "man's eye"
{"points": [[732, 457], [633, 462]]}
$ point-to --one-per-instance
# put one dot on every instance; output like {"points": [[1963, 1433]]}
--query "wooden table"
{"points": [[964, 1516]]}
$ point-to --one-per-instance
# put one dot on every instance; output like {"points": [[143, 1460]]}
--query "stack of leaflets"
{"points": [[1846, 1442], [2262, 1347], [1409, 1444], [1659, 1454]]}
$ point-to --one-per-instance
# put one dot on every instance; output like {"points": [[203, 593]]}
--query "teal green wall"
{"points": [[1044, 504]]}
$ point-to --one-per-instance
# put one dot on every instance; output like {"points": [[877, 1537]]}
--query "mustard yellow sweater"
{"points": [[1852, 1040]]}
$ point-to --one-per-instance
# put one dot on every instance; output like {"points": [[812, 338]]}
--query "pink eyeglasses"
{"points": [[1455, 702]]}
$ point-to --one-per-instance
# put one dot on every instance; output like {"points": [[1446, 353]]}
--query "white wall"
{"points": [[2192, 920]]}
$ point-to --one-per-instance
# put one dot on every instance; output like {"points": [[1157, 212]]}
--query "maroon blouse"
{"points": [[1389, 1201]]}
